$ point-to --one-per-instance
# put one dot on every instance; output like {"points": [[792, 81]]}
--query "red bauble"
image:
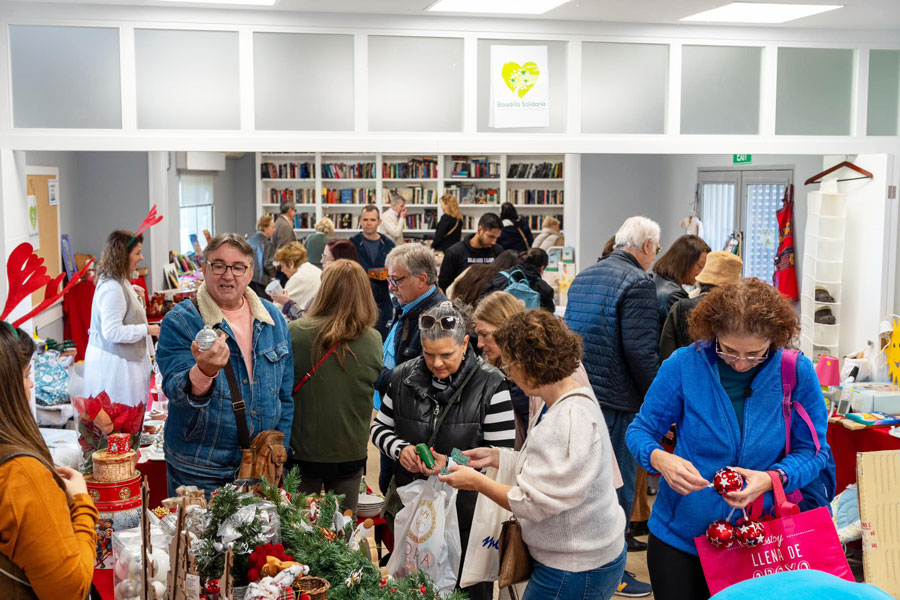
{"points": [[750, 534], [728, 480], [720, 533]]}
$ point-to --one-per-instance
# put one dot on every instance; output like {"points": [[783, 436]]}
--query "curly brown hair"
{"points": [[115, 258], [541, 345], [748, 307]]}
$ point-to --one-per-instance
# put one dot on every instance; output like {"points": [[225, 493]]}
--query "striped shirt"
{"points": [[499, 423]]}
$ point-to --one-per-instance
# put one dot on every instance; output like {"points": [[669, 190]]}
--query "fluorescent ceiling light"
{"points": [[253, 2], [752, 12], [507, 7]]}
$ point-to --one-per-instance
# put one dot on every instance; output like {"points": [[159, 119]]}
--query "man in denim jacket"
{"points": [[201, 439]]}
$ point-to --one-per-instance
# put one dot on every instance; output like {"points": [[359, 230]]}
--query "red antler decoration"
{"points": [[149, 221], [26, 274]]}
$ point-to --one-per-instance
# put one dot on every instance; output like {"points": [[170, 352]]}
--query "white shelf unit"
{"points": [[424, 193], [823, 263]]}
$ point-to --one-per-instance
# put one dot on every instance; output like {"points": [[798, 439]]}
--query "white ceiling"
{"points": [[856, 14]]}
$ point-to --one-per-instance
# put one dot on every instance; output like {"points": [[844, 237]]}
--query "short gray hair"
{"points": [[286, 206], [234, 239], [447, 309], [415, 258], [397, 199], [635, 231]]}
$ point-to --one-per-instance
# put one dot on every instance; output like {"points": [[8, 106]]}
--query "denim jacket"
{"points": [[201, 431]]}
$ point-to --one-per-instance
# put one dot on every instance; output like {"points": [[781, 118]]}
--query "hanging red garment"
{"points": [[77, 315], [785, 279]]}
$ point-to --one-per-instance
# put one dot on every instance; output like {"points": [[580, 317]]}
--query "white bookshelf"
{"points": [[486, 193]]}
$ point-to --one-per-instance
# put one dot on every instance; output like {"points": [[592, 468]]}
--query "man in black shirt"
{"points": [[373, 248], [479, 248]]}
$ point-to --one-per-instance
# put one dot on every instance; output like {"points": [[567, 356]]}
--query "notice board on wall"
{"points": [[38, 186]]}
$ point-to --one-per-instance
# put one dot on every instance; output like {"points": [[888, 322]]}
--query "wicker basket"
{"points": [[316, 587]]}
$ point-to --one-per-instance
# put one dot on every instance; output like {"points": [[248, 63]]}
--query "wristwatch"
{"points": [[782, 476]]}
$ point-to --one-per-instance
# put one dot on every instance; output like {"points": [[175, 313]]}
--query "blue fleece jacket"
{"points": [[687, 391]]}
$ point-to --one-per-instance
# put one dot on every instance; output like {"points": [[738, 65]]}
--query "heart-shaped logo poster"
{"points": [[520, 78], [32, 216]]}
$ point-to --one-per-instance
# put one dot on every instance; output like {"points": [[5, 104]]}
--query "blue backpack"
{"points": [[521, 290]]}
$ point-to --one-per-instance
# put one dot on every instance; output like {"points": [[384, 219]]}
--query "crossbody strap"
{"points": [[450, 403], [788, 382], [458, 221], [314, 369], [524, 239]]}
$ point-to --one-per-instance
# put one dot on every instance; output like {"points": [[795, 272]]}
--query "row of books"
{"points": [[535, 171], [517, 196], [348, 171], [471, 167], [412, 194], [297, 196], [344, 220], [414, 168], [348, 196], [535, 221], [423, 220], [291, 170], [469, 194], [304, 220], [184, 263]]}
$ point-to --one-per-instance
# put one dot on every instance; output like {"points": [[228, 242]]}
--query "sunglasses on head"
{"points": [[430, 322]]}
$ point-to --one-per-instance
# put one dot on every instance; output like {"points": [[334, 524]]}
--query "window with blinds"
{"points": [[196, 208]]}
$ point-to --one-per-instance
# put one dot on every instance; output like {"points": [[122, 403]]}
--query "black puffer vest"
{"points": [[417, 406]]}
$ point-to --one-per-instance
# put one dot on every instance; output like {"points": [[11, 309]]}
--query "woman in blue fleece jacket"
{"points": [[725, 394]]}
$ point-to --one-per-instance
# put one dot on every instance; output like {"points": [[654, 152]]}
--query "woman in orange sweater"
{"points": [[47, 519]]}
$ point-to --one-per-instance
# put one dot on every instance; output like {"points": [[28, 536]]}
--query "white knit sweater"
{"points": [[564, 496]]}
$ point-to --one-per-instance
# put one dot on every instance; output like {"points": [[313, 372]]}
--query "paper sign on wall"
{"points": [[53, 191], [520, 86], [31, 225]]}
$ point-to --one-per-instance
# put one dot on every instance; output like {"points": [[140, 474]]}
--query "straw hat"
{"points": [[721, 268]]}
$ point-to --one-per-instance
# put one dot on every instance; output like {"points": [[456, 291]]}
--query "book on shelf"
{"points": [[339, 170], [290, 170], [343, 221], [536, 221], [195, 244], [424, 220], [348, 196], [474, 167], [524, 197], [297, 196], [543, 170], [184, 263], [411, 194], [415, 168], [304, 220], [468, 193]]}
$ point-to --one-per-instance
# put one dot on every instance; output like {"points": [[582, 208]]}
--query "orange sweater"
{"points": [[52, 541]]}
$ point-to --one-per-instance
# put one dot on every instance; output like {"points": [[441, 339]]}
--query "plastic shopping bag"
{"points": [[427, 533], [483, 550]]}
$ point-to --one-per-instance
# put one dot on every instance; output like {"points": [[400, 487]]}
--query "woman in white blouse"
{"points": [[303, 281], [564, 496], [117, 360]]}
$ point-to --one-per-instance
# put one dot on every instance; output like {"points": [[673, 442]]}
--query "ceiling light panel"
{"points": [[506, 7], [766, 13], [230, 2]]}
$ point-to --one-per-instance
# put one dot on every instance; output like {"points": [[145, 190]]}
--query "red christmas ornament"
{"points": [[423, 589], [212, 586], [728, 480], [750, 534], [720, 534], [305, 596]]}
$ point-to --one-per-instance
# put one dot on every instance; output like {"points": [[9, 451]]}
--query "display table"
{"points": [[845, 443], [155, 472]]}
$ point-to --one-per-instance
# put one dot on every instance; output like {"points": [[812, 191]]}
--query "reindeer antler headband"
{"points": [[149, 221], [26, 274]]}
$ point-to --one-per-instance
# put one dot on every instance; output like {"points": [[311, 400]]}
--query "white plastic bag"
{"points": [[483, 550], [427, 533]]}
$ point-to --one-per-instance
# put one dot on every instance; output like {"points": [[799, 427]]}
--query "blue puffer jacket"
{"points": [[201, 432], [612, 306], [687, 391]]}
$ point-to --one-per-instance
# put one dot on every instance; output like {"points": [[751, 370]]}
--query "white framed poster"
{"points": [[520, 87], [53, 191]]}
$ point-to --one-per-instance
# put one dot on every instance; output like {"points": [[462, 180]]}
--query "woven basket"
{"points": [[316, 587]]}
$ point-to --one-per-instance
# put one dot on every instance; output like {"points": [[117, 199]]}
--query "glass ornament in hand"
{"points": [[206, 337]]}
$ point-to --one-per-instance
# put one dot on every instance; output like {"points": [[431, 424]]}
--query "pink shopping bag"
{"points": [[794, 540]]}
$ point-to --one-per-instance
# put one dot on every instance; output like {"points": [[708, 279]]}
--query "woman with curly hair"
{"points": [[563, 496], [724, 393]]}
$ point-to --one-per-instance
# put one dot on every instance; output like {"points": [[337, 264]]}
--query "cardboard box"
{"points": [[878, 476]]}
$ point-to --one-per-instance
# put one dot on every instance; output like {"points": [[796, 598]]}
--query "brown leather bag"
{"points": [[265, 457], [515, 561]]}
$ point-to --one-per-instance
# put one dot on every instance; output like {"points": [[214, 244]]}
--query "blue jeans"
{"points": [[596, 584], [178, 478], [617, 422]]}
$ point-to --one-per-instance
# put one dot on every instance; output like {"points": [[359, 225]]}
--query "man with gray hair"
{"points": [[412, 278], [284, 226], [393, 220], [612, 305], [206, 427]]}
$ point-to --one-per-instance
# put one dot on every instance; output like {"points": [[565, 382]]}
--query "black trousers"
{"points": [[674, 575]]}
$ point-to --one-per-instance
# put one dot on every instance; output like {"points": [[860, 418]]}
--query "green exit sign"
{"points": [[742, 159]]}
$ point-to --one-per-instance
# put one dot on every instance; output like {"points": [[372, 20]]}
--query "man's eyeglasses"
{"points": [[237, 269], [731, 358], [395, 281], [446, 323]]}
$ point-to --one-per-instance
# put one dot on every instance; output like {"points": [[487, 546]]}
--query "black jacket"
{"points": [[675, 332], [668, 292], [407, 343], [447, 233], [511, 236], [535, 282], [612, 306], [461, 256]]}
